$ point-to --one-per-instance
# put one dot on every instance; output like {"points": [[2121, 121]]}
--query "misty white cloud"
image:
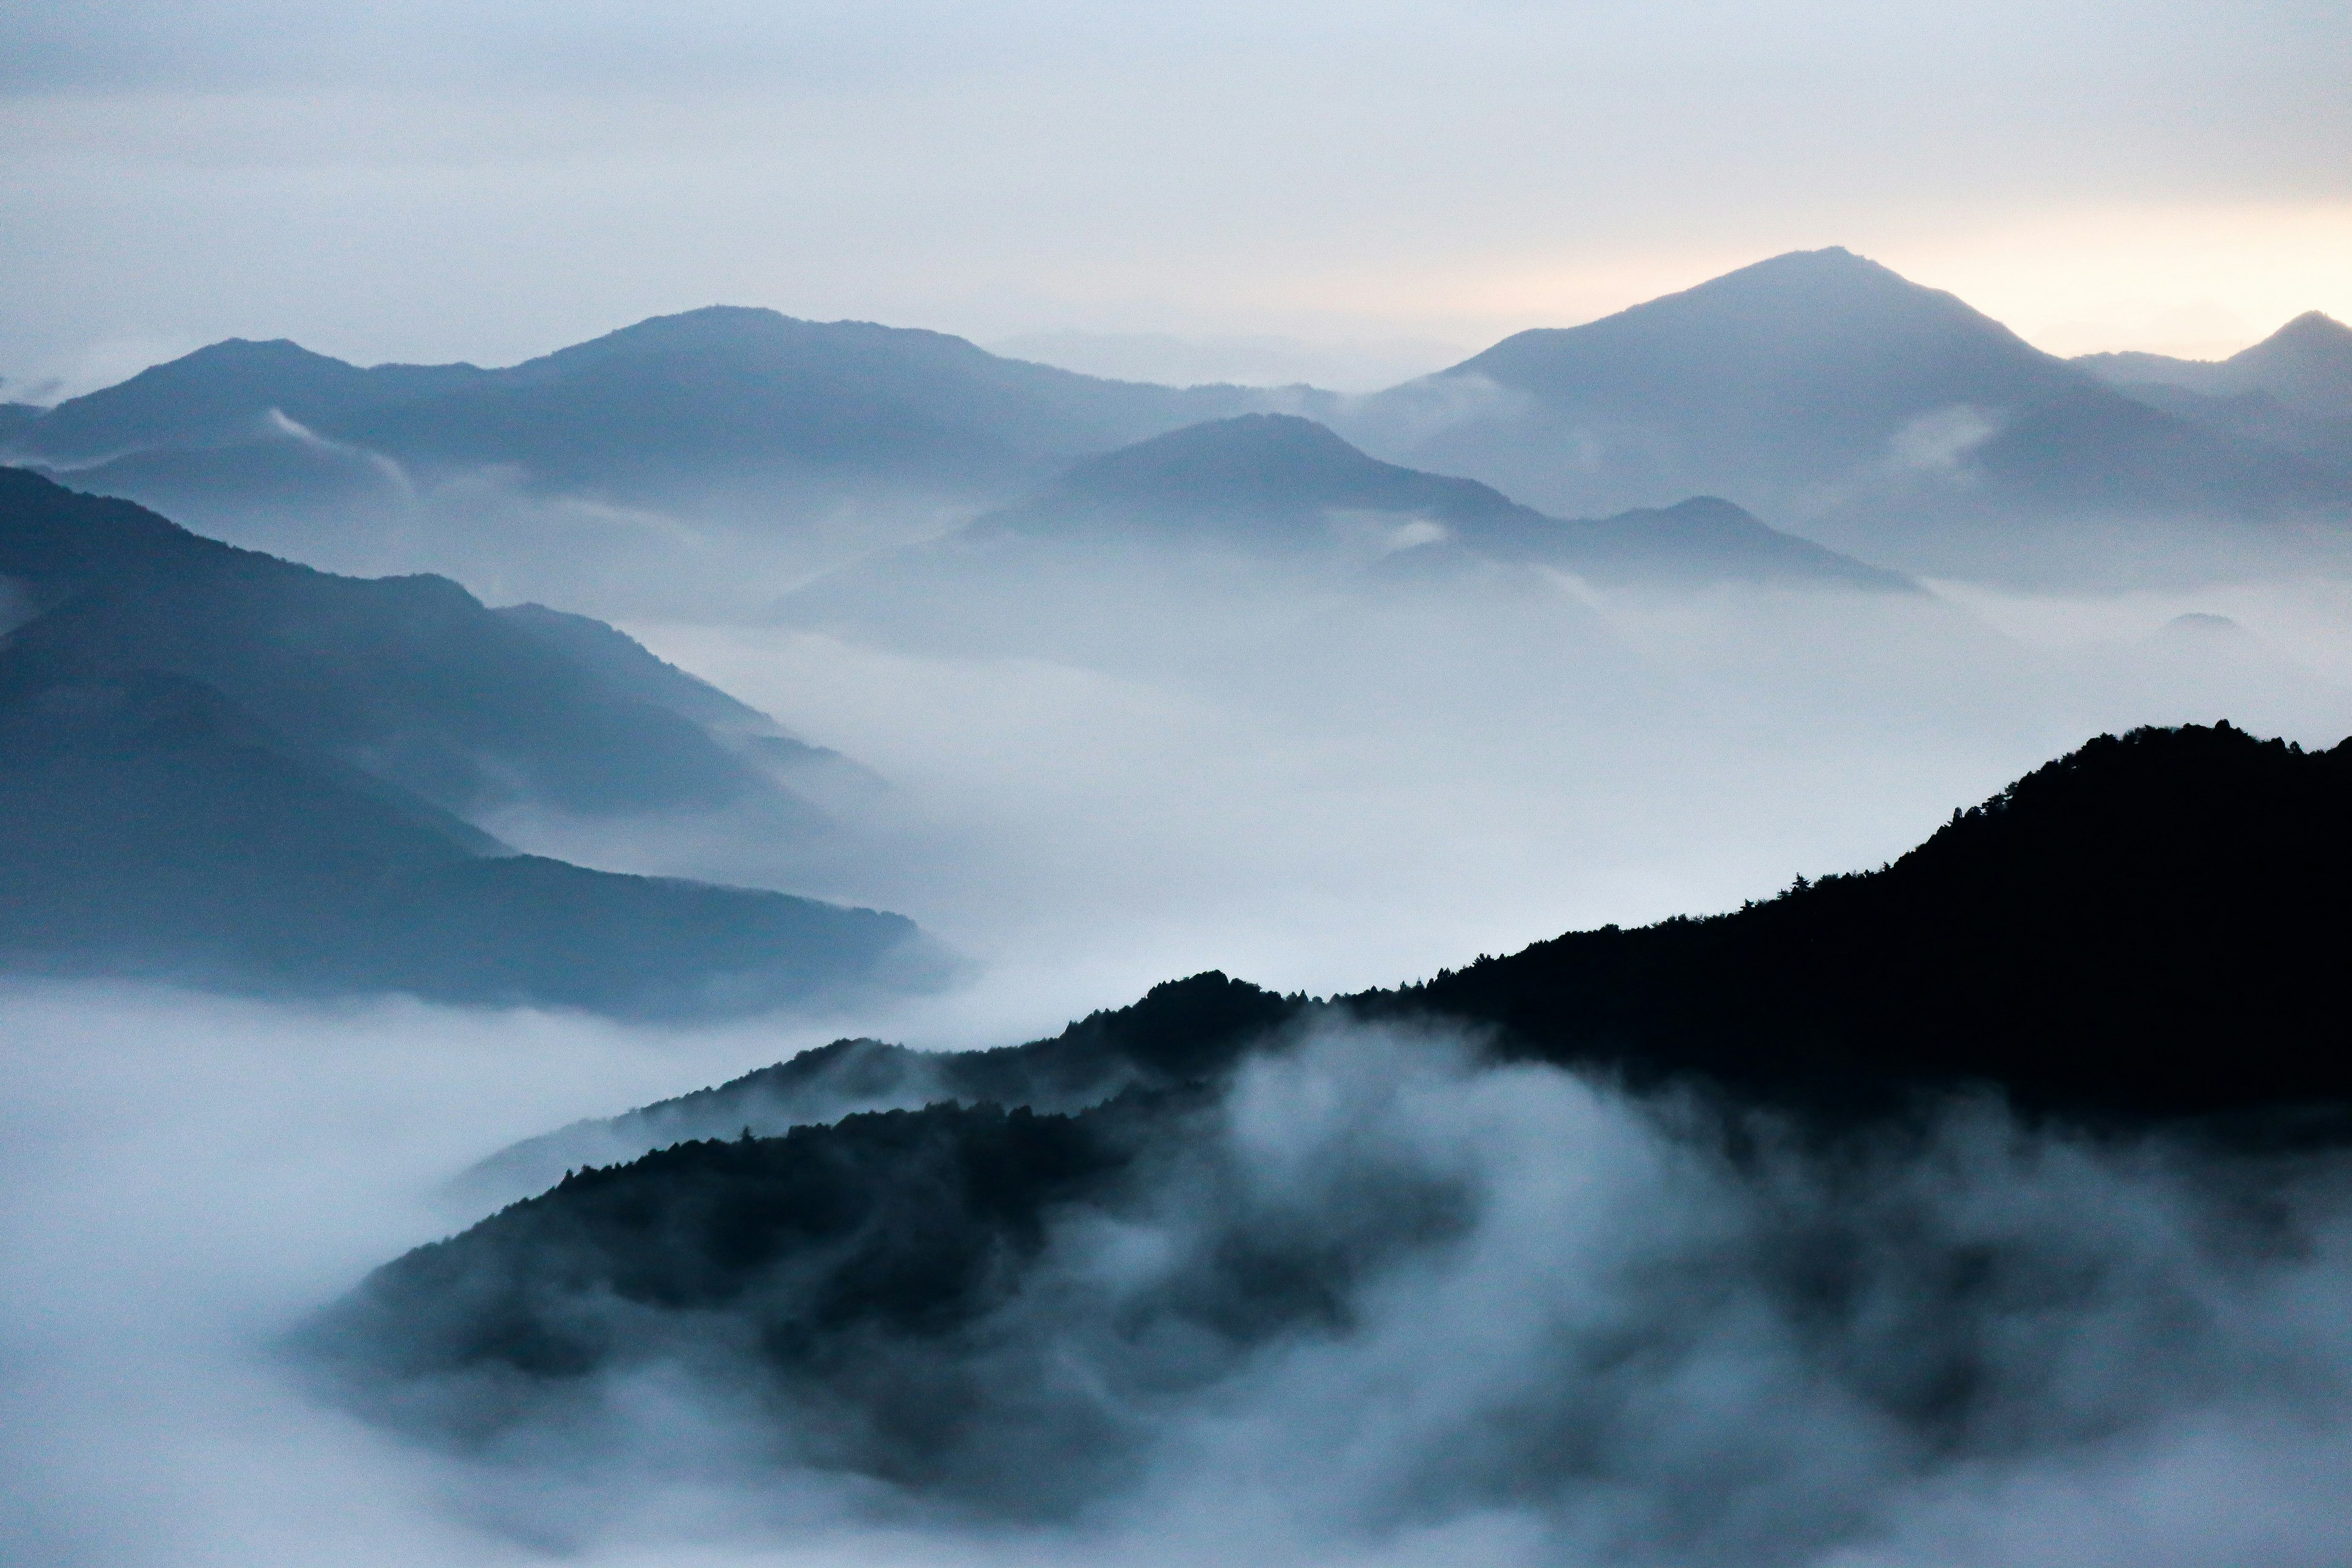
{"points": [[1610, 1342]]}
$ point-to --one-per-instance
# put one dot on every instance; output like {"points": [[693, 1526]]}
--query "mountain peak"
{"points": [[1830, 315], [1251, 453], [2314, 327]]}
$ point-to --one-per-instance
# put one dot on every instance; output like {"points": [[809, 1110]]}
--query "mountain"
{"points": [[409, 678], [2147, 929], [2305, 365], [150, 828], [1281, 483], [710, 398], [1875, 414], [1270, 494], [1178, 1033], [2292, 390], [226, 769], [2083, 936], [2140, 930]]}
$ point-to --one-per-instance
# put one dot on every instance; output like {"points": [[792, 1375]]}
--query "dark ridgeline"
{"points": [[2154, 926], [2148, 932], [1181, 1032], [224, 768]]}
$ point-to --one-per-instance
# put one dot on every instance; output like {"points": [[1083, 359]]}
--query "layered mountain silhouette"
{"points": [[1281, 483], [1285, 493], [2306, 365], [2145, 931], [1874, 413], [2294, 389], [712, 398], [1817, 388], [228, 769], [411, 679]]}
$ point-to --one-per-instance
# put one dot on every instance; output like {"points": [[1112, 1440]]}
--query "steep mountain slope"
{"points": [[1868, 410], [226, 769], [409, 678], [150, 829]]}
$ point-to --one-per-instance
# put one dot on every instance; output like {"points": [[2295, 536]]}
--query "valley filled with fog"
{"points": [[668, 707]]}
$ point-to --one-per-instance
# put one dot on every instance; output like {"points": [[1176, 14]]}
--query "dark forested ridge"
{"points": [[1181, 1032], [224, 769], [2155, 925], [2149, 930]]}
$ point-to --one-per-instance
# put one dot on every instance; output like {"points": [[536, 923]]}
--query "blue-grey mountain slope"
{"points": [[1273, 498], [2293, 390], [226, 769], [710, 400], [1873, 413]]}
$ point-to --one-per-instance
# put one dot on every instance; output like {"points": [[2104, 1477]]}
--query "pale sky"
{"points": [[490, 180]]}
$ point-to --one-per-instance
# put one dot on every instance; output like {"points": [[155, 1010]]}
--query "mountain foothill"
{"points": [[226, 769]]}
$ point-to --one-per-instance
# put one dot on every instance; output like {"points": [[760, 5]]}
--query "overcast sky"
{"points": [[490, 180]]}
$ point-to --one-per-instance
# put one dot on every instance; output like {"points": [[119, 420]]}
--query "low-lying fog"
{"points": [[1367, 793], [1351, 797], [1609, 1358]]}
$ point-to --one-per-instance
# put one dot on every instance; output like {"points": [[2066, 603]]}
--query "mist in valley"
{"points": [[1573, 1328], [778, 937]]}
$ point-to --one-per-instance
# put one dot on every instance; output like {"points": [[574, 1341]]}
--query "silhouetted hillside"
{"points": [[2149, 929], [1182, 1031], [850, 1258]]}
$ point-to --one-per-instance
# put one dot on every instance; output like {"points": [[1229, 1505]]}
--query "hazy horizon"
{"points": [[769, 945], [432, 186]]}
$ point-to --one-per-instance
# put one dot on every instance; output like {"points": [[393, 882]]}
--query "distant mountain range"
{"points": [[712, 399], [1282, 484], [2147, 932], [1261, 499], [1817, 388], [1868, 411], [2294, 389], [226, 768]]}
